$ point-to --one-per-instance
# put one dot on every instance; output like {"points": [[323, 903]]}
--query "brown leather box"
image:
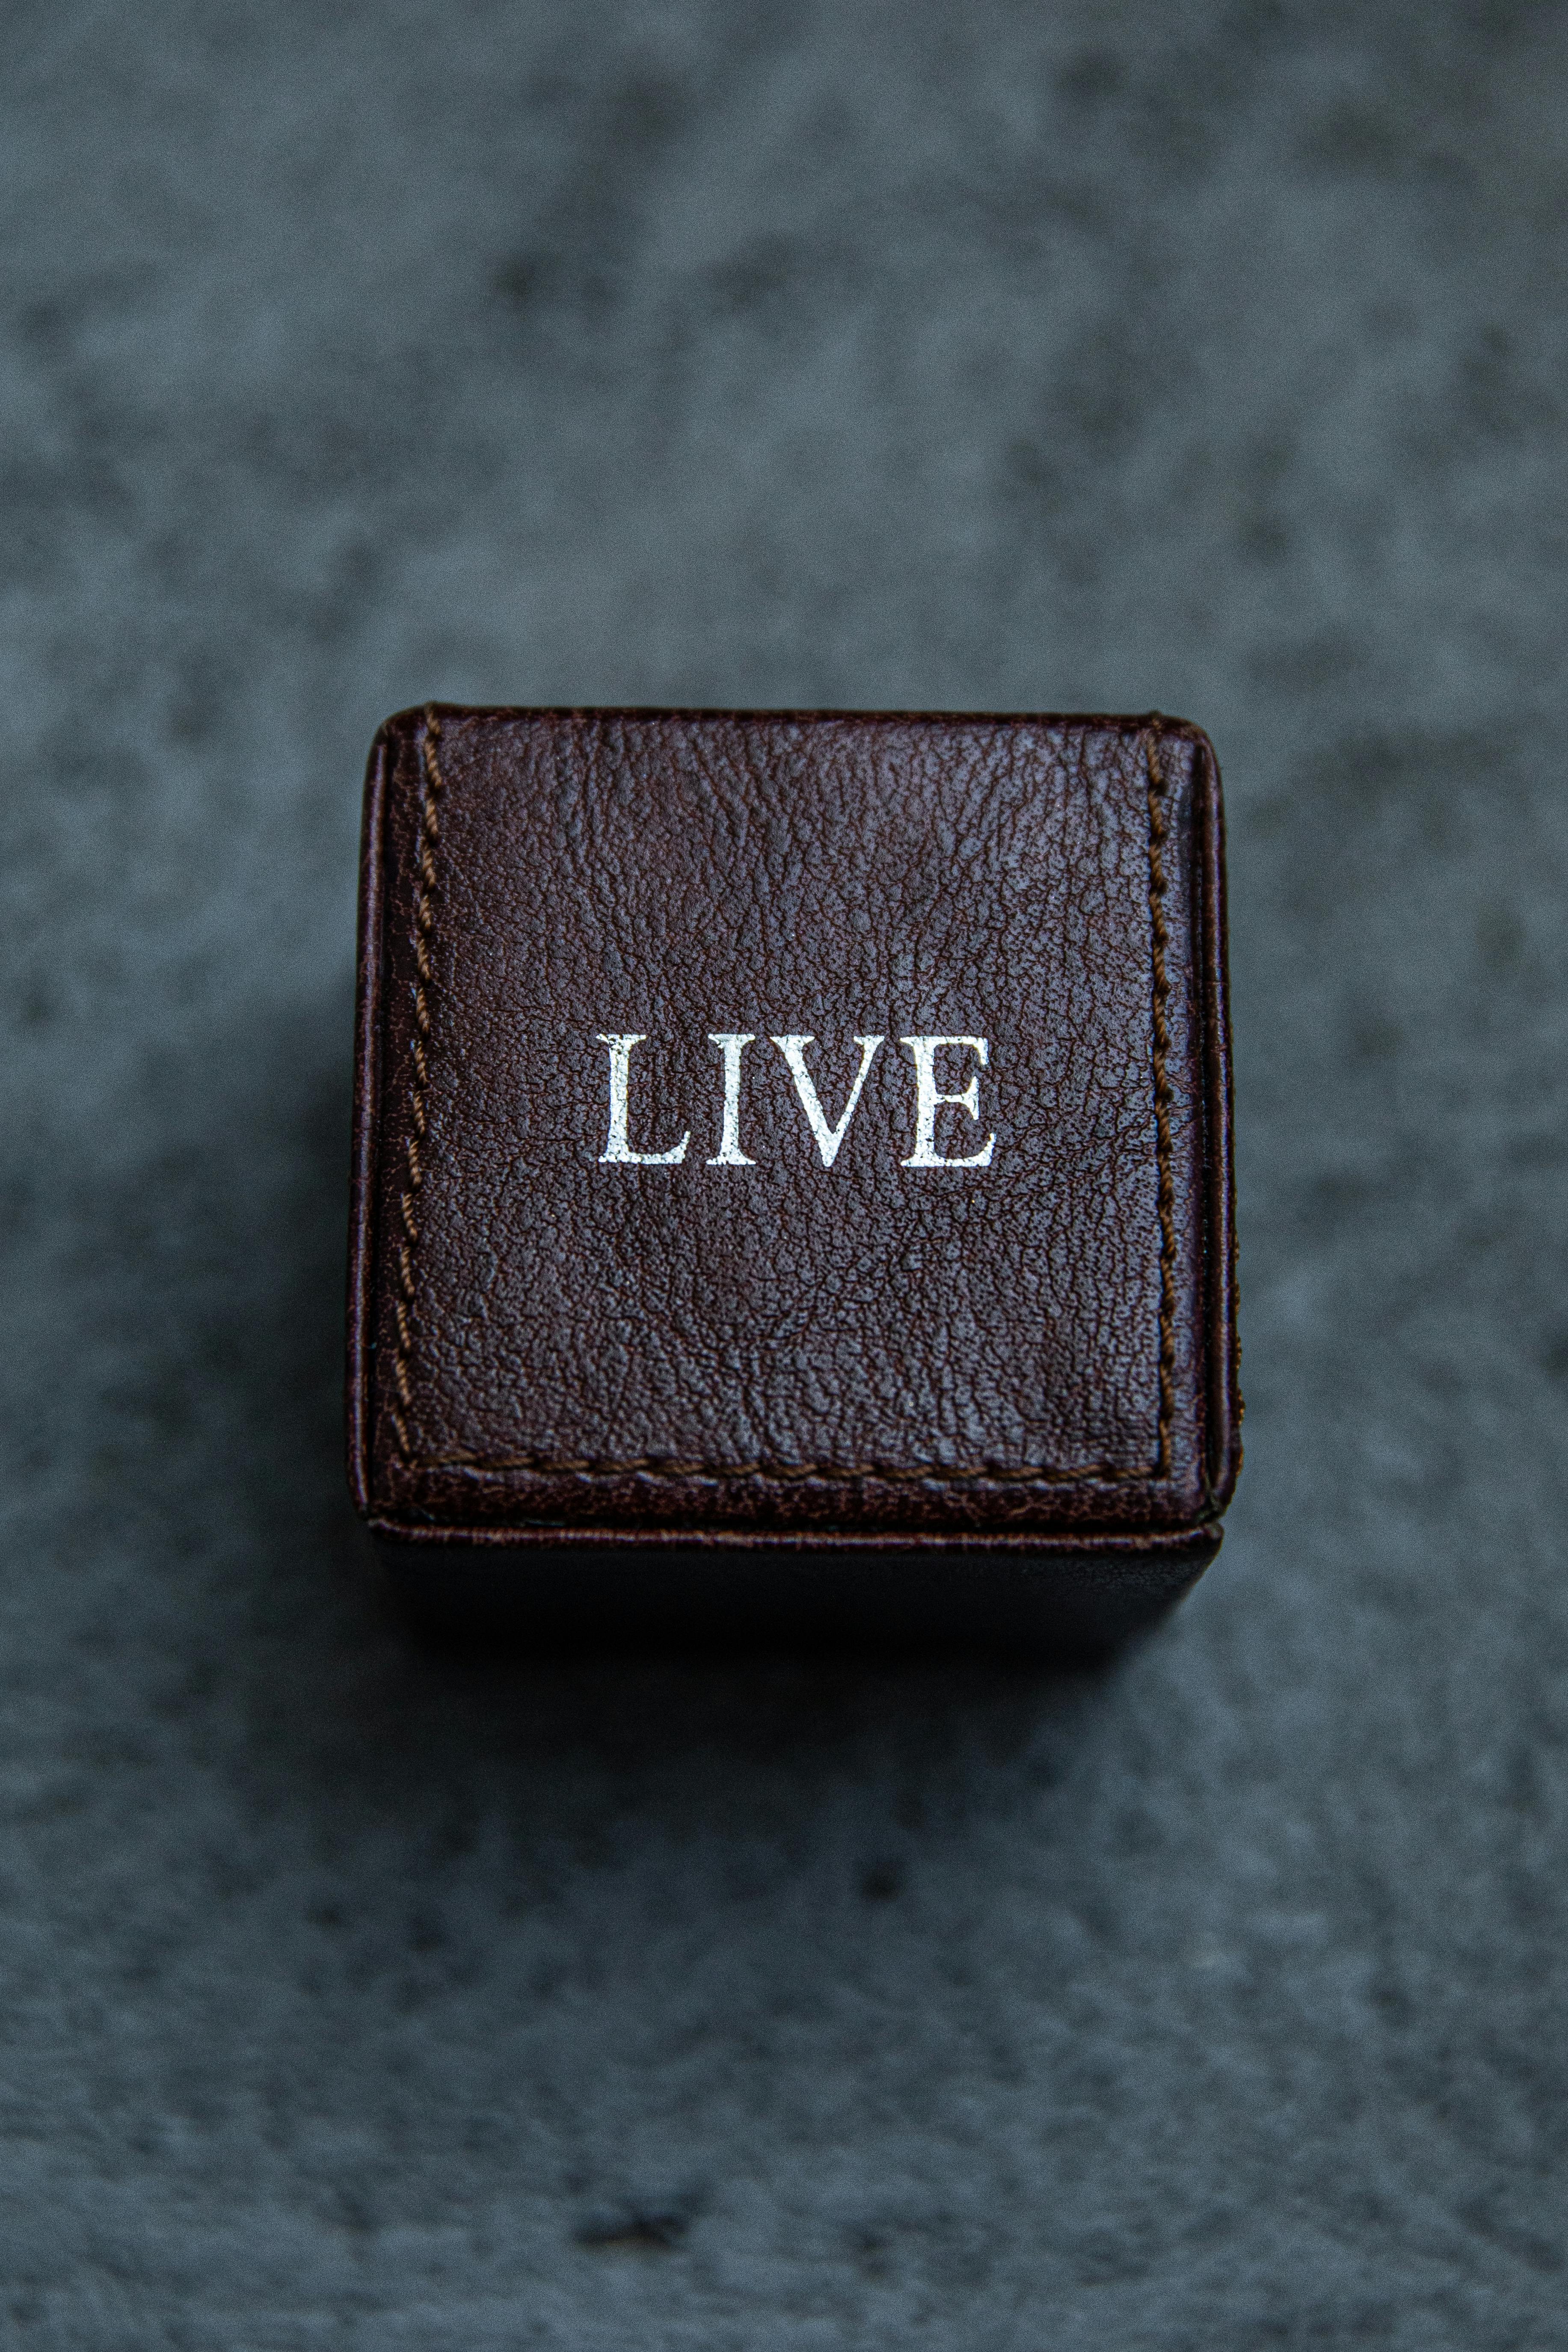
{"points": [[792, 1169]]}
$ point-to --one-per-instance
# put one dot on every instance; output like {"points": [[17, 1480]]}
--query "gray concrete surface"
{"points": [[1209, 357]]}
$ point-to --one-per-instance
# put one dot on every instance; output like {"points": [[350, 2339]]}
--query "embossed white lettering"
{"points": [[828, 1138], [922, 1051], [618, 1152], [930, 1099]]}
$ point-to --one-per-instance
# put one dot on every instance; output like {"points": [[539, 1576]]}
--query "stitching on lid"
{"points": [[656, 1466]]}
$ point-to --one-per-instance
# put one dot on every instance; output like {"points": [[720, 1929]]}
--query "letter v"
{"points": [[828, 1138]]}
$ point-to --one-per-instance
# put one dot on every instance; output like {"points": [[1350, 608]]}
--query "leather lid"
{"points": [[668, 1286]]}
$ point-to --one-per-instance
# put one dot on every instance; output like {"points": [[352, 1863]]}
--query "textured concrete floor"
{"points": [[1201, 356]]}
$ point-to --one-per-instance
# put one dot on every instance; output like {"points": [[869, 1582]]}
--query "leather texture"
{"points": [[550, 1348]]}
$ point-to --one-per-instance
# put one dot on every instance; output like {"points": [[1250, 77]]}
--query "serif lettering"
{"points": [[828, 1132]]}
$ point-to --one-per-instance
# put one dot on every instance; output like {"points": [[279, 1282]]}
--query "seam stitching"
{"points": [[1167, 1197], [427, 839]]}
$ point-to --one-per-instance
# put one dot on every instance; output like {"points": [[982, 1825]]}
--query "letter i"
{"points": [[732, 1043]]}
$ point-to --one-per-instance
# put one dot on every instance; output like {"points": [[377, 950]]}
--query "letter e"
{"points": [[928, 1101]]}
